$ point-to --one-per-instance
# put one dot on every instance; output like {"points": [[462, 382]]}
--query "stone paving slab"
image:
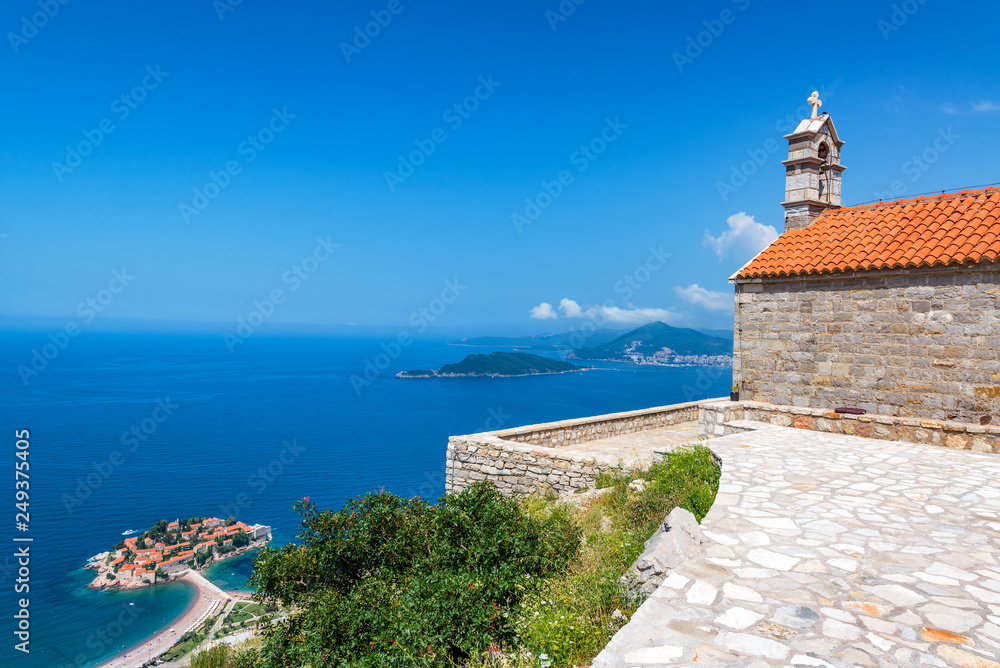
{"points": [[832, 550], [640, 448]]}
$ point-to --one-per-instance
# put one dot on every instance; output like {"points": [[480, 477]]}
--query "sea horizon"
{"points": [[233, 416]]}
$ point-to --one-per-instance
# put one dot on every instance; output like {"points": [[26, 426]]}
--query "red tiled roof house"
{"points": [[890, 307]]}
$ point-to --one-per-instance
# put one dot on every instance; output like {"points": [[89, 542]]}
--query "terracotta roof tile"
{"points": [[954, 229]]}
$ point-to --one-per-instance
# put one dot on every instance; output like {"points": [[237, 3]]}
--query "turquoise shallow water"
{"points": [[220, 451]]}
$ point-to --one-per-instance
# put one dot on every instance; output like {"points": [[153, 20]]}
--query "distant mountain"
{"points": [[496, 365], [718, 333], [565, 341], [654, 341]]}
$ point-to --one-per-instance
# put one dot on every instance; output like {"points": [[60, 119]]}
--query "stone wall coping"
{"points": [[943, 425], [487, 441], [594, 419]]}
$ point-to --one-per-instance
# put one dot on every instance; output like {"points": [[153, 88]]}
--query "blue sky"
{"points": [[220, 154]]}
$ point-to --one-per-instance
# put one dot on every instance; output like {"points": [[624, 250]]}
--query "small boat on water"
{"points": [[130, 532]]}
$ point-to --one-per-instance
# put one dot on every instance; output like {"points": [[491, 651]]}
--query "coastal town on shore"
{"points": [[168, 549], [666, 357]]}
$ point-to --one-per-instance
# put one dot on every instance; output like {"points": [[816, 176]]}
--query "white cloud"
{"points": [[570, 309], [544, 311], [615, 315], [744, 235], [986, 105], [949, 109], [699, 296]]}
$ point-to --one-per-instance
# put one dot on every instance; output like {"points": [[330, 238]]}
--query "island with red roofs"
{"points": [[171, 548]]}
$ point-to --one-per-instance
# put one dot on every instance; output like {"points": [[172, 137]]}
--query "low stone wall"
{"points": [[516, 468], [573, 432], [717, 418], [528, 459]]}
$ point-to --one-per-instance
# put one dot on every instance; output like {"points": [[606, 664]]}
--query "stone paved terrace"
{"points": [[832, 550], [638, 449]]}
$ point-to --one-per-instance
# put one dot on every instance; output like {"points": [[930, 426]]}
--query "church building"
{"points": [[892, 307]]}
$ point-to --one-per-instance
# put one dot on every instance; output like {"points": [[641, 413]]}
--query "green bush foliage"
{"points": [[217, 657], [388, 581], [688, 477], [571, 618], [478, 580]]}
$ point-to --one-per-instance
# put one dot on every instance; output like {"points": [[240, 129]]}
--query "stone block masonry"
{"points": [[574, 432], [724, 418], [539, 457], [921, 343], [516, 469], [569, 455]]}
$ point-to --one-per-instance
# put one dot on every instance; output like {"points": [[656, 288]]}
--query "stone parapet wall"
{"points": [[924, 342], [516, 468], [529, 467], [574, 432], [718, 418], [530, 459]]}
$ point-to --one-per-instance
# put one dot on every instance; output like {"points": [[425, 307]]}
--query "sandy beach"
{"points": [[151, 647]]}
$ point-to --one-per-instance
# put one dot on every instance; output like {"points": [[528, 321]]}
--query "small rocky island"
{"points": [[168, 548], [496, 365]]}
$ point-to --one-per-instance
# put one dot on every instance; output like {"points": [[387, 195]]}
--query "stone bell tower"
{"points": [[812, 171]]}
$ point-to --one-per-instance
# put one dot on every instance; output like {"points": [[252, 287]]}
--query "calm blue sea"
{"points": [[243, 434]]}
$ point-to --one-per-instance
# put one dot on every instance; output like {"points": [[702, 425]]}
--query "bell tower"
{"points": [[813, 169]]}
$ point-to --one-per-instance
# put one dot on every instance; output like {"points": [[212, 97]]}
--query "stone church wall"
{"points": [[921, 343]]}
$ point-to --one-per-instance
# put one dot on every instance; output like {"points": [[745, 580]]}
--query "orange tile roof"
{"points": [[944, 230]]}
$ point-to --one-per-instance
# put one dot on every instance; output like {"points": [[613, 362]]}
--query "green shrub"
{"points": [[388, 581], [217, 657], [570, 619], [690, 478]]}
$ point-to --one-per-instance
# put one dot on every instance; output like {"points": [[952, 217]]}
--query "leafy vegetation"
{"points": [[573, 617], [418, 373], [391, 581], [478, 580], [217, 657], [190, 640]]}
